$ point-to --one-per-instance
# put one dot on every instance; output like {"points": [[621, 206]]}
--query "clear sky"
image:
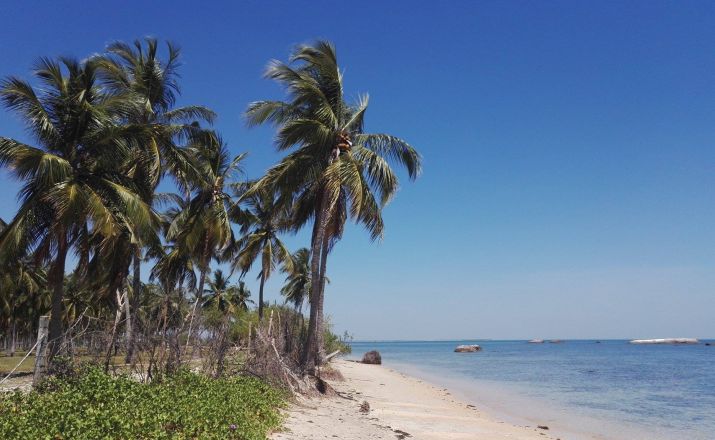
{"points": [[569, 161]]}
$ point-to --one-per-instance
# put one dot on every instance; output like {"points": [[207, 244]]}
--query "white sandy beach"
{"points": [[400, 407]]}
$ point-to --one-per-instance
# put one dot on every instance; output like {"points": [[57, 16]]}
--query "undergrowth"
{"points": [[93, 405]]}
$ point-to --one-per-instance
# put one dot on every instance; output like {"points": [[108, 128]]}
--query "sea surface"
{"points": [[583, 389]]}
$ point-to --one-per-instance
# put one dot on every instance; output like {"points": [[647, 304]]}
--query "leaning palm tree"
{"points": [[334, 170], [261, 220], [139, 70], [70, 180], [203, 227]]}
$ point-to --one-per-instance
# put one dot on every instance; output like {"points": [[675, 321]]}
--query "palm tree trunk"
{"points": [[136, 290], [260, 297], [128, 324], [223, 346], [58, 276], [321, 299], [310, 351], [200, 287], [13, 340], [113, 337], [202, 280]]}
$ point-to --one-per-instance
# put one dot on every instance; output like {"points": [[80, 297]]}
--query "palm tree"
{"points": [[138, 70], [261, 220], [297, 283], [22, 296], [228, 299], [71, 179], [335, 169], [242, 297], [203, 226]]}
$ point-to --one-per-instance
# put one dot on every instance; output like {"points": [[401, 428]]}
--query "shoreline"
{"points": [[401, 406]]}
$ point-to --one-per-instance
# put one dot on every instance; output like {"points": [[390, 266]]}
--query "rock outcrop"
{"points": [[467, 348], [372, 357]]}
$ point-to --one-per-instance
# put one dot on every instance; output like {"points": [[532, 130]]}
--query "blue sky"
{"points": [[569, 169]]}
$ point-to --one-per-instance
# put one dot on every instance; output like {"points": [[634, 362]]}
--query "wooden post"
{"points": [[41, 352]]}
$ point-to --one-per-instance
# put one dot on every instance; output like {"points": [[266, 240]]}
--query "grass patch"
{"points": [[186, 406], [7, 363]]}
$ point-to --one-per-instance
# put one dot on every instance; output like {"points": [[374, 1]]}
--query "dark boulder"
{"points": [[372, 357], [467, 348]]}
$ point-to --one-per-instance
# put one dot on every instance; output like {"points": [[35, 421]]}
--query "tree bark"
{"points": [[113, 337], [308, 357], [131, 333], [260, 297], [128, 321], [200, 288], [315, 323], [313, 346], [223, 346], [320, 356], [58, 276], [13, 336]]}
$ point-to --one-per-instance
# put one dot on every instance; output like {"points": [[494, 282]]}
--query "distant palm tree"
{"points": [[228, 299], [242, 297], [22, 296], [203, 227], [297, 283], [71, 180], [335, 168], [261, 220]]}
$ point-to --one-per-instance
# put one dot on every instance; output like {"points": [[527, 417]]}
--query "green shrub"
{"points": [[333, 342], [95, 406]]}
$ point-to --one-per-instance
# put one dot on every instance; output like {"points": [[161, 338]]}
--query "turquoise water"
{"points": [[587, 389]]}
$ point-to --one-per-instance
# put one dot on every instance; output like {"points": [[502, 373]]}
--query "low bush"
{"points": [[93, 405]]}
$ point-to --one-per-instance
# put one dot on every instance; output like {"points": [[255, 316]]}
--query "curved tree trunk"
{"points": [[260, 297], [313, 348], [57, 280]]}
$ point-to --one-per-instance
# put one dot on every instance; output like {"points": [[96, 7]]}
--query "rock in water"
{"points": [[467, 348], [372, 357]]}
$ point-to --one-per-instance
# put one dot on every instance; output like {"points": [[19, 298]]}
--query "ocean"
{"points": [[582, 389]]}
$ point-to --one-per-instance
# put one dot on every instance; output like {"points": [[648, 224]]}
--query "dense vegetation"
{"points": [[105, 131], [94, 406]]}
